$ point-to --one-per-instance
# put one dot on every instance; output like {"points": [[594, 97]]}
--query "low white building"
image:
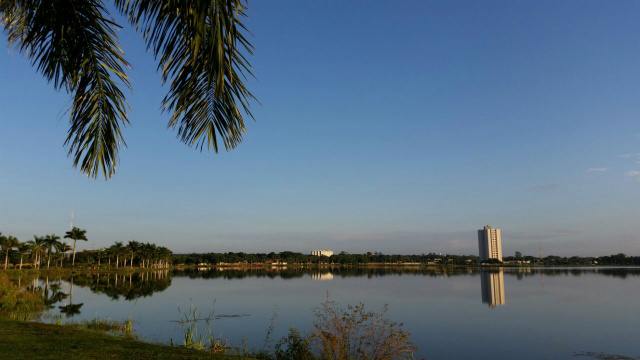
{"points": [[326, 253]]}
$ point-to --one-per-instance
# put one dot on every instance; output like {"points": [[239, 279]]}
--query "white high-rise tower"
{"points": [[489, 243]]}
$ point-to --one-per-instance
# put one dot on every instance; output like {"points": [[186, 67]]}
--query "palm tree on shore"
{"points": [[133, 247], [148, 252], [37, 246], [118, 249], [100, 254], [61, 249], [50, 243], [108, 252], [8, 243], [76, 234], [23, 249], [165, 256]]}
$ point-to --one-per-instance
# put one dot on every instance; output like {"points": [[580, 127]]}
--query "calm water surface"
{"points": [[523, 313]]}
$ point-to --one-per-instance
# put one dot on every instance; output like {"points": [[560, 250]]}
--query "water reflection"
{"points": [[316, 273], [131, 286], [58, 292], [128, 286], [328, 272], [492, 288], [322, 276], [431, 301], [70, 309], [53, 294]]}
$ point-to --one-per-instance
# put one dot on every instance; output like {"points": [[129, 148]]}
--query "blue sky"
{"points": [[399, 127]]}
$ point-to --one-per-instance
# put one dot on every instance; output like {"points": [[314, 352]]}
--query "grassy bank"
{"points": [[32, 340], [21, 339]]}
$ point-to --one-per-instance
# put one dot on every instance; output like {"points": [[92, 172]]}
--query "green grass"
{"points": [[31, 340], [103, 325]]}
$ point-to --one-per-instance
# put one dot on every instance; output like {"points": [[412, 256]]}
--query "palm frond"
{"points": [[74, 45], [200, 47]]}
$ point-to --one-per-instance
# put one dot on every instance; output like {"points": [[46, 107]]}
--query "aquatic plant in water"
{"points": [[194, 338]]}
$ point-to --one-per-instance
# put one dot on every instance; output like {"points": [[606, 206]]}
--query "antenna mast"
{"points": [[540, 256], [71, 225]]}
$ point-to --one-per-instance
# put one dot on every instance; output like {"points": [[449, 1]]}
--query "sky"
{"points": [[392, 126]]}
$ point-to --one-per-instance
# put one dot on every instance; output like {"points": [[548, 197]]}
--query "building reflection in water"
{"points": [[322, 276], [492, 288]]}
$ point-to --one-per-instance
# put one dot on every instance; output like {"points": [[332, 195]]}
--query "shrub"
{"points": [[355, 333], [17, 304], [294, 347]]}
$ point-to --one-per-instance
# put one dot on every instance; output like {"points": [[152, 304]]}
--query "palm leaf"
{"points": [[74, 45], [199, 46]]}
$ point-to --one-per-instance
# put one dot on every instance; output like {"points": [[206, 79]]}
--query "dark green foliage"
{"points": [[551, 260], [73, 44], [294, 347], [18, 304], [342, 258], [200, 46], [492, 261]]}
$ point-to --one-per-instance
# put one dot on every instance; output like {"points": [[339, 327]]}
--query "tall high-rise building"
{"points": [[489, 243]]}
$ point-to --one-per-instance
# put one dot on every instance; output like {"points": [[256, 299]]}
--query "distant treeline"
{"points": [[552, 260], [379, 271], [291, 257], [345, 258]]}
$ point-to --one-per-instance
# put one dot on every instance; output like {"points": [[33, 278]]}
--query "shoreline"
{"points": [[222, 267]]}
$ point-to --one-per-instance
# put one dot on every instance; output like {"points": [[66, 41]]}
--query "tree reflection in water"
{"points": [[70, 309], [53, 294], [131, 286]]}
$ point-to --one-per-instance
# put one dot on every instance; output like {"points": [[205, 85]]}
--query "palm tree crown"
{"points": [[50, 243], [76, 234], [62, 248], [37, 246], [8, 243], [23, 249], [133, 247]]}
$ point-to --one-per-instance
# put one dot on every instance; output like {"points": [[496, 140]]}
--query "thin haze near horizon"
{"points": [[399, 127]]}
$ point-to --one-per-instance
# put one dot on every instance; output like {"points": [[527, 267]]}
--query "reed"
{"points": [[200, 339]]}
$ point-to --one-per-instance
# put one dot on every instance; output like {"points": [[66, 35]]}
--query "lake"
{"points": [[463, 313]]}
